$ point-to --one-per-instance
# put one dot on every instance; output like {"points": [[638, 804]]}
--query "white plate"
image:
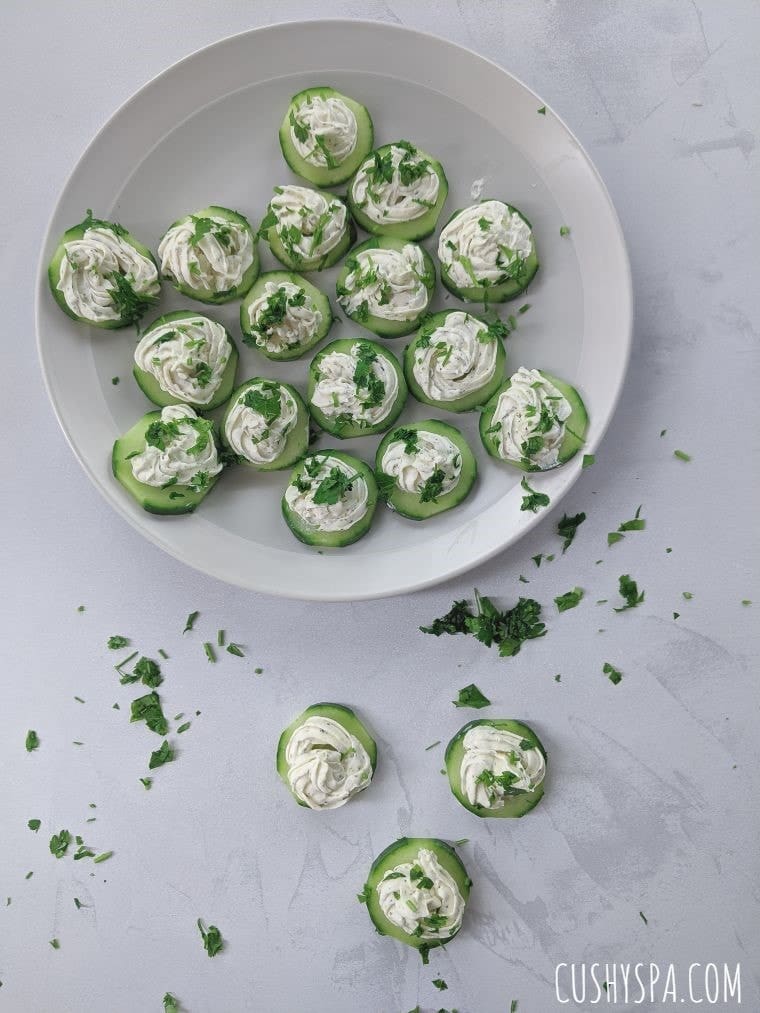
{"points": [[205, 132]]}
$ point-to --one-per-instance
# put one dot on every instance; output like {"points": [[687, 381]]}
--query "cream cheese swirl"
{"points": [[458, 359], [283, 317], [212, 261], [187, 358], [85, 277], [251, 427], [414, 461], [484, 244], [497, 763], [308, 224], [340, 516], [398, 186], [529, 420], [408, 901], [326, 764], [179, 450], [323, 131], [386, 283], [361, 384]]}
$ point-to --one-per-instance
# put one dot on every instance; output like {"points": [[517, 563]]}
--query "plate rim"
{"points": [[265, 586]]}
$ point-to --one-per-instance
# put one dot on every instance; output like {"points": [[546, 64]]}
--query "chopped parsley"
{"points": [[146, 782], [612, 673], [164, 754], [333, 487], [116, 643], [59, 843], [433, 487], [235, 649], [643, 917], [55, 944], [541, 111], [681, 455], [171, 1005], [103, 857], [636, 524], [440, 984], [32, 740], [564, 230], [409, 438], [687, 595], [365, 895], [629, 592], [508, 628], [568, 527], [148, 709], [148, 672], [433, 745], [130, 305], [534, 500], [190, 622], [115, 381], [588, 460], [471, 696], [264, 399], [212, 939], [208, 648], [183, 728], [569, 599], [34, 825]]}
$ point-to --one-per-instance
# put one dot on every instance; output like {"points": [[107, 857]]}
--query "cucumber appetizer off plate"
{"points": [[271, 267]]}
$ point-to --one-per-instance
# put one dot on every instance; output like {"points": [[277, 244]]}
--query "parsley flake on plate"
{"points": [[569, 599], [629, 592], [612, 673], [32, 740], [116, 643], [534, 500], [212, 939], [507, 628], [164, 754], [567, 528], [471, 696]]}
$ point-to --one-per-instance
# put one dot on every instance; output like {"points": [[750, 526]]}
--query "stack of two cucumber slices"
{"points": [[418, 887]]}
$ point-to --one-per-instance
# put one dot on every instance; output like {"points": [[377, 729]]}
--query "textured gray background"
{"points": [[651, 803]]}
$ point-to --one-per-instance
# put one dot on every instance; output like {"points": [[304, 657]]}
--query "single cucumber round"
{"points": [[469, 402], [576, 425], [313, 294], [175, 499], [332, 539], [154, 392], [339, 172], [402, 851], [508, 289], [337, 712], [300, 263], [207, 295], [345, 430], [381, 325], [414, 228], [141, 303], [411, 504], [296, 442], [514, 805]]}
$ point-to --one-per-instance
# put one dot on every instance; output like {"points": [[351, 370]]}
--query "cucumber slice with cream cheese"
{"points": [[307, 230], [330, 499], [266, 425], [284, 315]]}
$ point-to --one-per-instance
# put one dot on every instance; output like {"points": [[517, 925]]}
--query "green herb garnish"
{"points": [[629, 592], [148, 709], [569, 600], [190, 621], [32, 740], [34, 825], [568, 527], [471, 696], [534, 500], [164, 754], [681, 455], [59, 843], [116, 643], [588, 460]]}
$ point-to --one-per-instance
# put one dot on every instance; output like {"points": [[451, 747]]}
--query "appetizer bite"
{"points": [[456, 361], [416, 892], [398, 191], [101, 275], [330, 499], [424, 468], [534, 421], [307, 230], [186, 357], [284, 315], [326, 756], [266, 425], [496, 767], [386, 285], [356, 388], [325, 136], [168, 461], [487, 252], [211, 255]]}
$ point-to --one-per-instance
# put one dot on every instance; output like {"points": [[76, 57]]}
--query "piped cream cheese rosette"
{"points": [[284, 315], [496, 767], [266, 425], [210, 255], [169, 460], [535, 421], [307, 230], [186, 357], [399, 191], [101, 275], [487, 252], [416, 892], [326, 756], [386, 285], [456, 361], [325, 135]]}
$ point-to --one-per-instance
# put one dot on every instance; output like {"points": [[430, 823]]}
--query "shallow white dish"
{"points": [[205, 132]]}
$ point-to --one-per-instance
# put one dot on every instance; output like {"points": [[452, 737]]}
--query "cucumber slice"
{"points": [[130, 303], [151, 387], [296, 217], [289, 330], [576, 425], [321, 120], [296, 440], [189, 241], [344, 415], [399, 190], [514, 805], [452, 246], [322, 527], [348, 720], [393, 277], [459, 327], [420, 505], [406, 851], [175, 499]]}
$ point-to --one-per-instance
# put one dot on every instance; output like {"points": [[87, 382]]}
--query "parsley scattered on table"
{"points": [[643, 917], [164, 754], [567, 528], [681, 455], [59, 843], [541, 111], [460, 842], [183, 728], [629, 592], [612, 673], [613, 537], [513, 1006], [507, 628], [32, 740], [588, 460], [365, 895], [471, 696], [212, 939], [676, 615], [440, 984], [558, 677], [687, 595], [209, 651], [115, 381], [534, 500], [746, 601], [569, 599], [190, 622], [433, 745], [116, 643], [235, 649], [170, 1004], [148, 709], [34, 825], [102, 857], [55, 944], [564, 230], [148, 672], [146, 782], [78, 904]]}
